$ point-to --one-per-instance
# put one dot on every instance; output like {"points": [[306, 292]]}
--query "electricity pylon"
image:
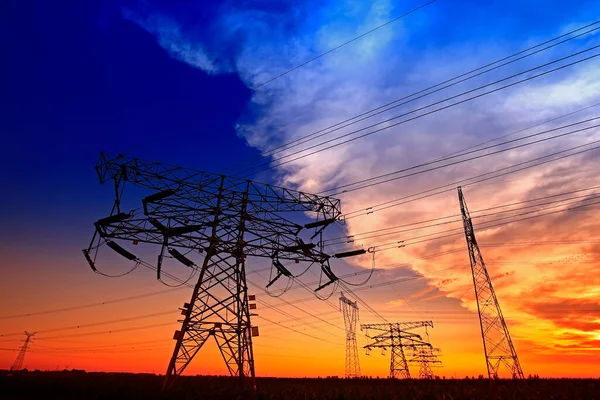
{"points": [[425, 357], [350, 311], [497, 344], [396, 336], [18, 364], [224, 220]]}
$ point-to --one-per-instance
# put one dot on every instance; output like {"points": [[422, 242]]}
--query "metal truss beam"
{"points": [[189, 213], [397, 337], [350, 312], [498, 347]]}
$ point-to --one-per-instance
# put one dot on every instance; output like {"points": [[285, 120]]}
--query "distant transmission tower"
{"points": [[221, 220], [350, 311], [426, 358], [497, 345], [397, 337], [18, 364]]}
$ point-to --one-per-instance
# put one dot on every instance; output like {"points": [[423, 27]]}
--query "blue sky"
{"points": [[82, 79]]}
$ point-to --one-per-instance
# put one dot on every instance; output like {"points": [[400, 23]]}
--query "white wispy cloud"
{"points": [[170, 37]]}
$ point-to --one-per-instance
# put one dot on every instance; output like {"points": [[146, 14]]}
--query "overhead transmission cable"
{"points": [[405, 241], [440, 86], [299, 309], [311, 60], [336, 192], [560, 203], [356, 235], [363, 135], [150, 266], [186, 283], [491, 140], [425, 257], [84, 306], [473, 180], [525, 129], [484, 225], [94, 324], [342, 45], [378, 128]]}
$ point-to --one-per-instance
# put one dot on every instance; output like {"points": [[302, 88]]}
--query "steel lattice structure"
{"points": [[18, 364], [397, 337], [426, 358], [497, 344], [225, 220], [350, 311]]}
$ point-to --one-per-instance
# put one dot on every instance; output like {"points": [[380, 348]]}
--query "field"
{"points": [[81, 385]]}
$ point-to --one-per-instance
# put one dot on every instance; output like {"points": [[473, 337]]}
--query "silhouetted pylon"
{"points": [[18, 364], [426, 358], [350, 311], [497, 344], [220, 221], [396, 336]]}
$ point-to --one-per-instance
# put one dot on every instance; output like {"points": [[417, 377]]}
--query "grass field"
{"points": [[81, 385]]}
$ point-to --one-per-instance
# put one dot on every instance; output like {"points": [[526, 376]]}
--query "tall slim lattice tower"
{"points": [[396, 337], [350, 311], [211, 223], [497, 344], [18, 364]]}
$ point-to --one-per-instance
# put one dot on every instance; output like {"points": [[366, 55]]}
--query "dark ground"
{"points": [[81, 385]]}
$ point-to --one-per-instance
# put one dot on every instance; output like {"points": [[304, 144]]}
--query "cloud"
{"points": [[258, 42], [170, 36], [576, 314]]}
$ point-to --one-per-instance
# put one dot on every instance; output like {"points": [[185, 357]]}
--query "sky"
{"points": [[189, 83]]}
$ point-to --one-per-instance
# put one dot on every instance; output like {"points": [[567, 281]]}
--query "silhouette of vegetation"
{"points": [[77, 384]]}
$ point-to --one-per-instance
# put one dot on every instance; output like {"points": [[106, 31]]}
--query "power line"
{"points": [[134, 328], [343, 124], [275, 323], [364, 303], [539, 243], [382, 247], [428, 112], [106, 302], [472, 180], [337, 192], [429, 236], [344, 44], [118, 300], [315, 58], [378, 233], [102, 346], [101, 303], [527, 128], [419, 275], [274, 308], [113, 321], [298, 308], [301, 333], [369, 287]]}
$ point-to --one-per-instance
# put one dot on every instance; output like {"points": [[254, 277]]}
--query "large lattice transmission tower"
{"points": [[18, 364], [497, 344], [396, 336], [350, 311], [426, 358], [213, 223]]}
